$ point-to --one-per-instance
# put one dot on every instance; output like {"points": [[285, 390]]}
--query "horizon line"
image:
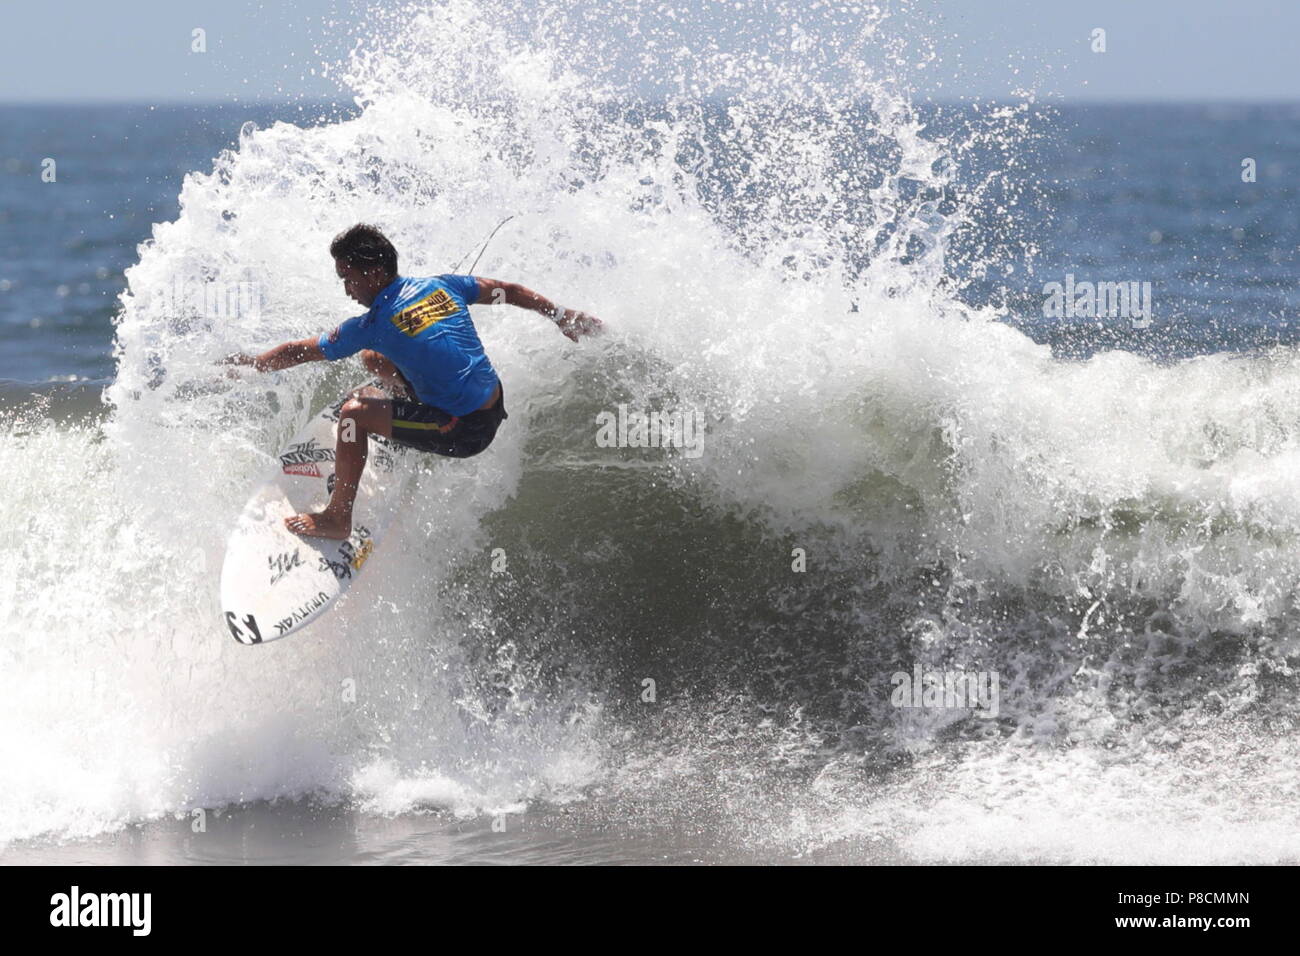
{"points": [[1037, 100]]}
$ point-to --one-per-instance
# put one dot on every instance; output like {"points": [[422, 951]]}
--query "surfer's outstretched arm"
{"points": [[571, 322], [282, 356]]}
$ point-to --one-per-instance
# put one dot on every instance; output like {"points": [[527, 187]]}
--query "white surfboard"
{"points": [[274, 582]]}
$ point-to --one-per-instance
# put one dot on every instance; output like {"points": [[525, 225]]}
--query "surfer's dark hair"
{"points": [[364, 247]]}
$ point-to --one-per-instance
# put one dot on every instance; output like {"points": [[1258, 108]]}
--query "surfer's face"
{"points": [[361, 285]]}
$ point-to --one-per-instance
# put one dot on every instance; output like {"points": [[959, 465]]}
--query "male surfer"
{"points": [[418, 338]]}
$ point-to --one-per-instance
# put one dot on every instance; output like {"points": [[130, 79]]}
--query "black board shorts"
{"points": [[427, 428]]}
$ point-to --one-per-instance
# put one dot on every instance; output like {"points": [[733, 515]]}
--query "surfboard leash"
{"points": [[456, 268]]}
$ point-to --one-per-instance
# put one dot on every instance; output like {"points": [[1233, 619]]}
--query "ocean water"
{"points": [[572, 653]]}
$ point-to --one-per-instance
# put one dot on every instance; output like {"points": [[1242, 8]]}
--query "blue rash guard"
{"points": [[423, 327]]}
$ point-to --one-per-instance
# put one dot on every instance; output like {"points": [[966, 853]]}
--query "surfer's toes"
{"points": [[318, 526]]}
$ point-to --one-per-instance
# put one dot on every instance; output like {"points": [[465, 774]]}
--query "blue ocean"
{"points": [[1000, 390]]}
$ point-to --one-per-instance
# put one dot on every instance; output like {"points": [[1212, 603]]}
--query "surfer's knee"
{"points": [[366, 411], [354, 408]]}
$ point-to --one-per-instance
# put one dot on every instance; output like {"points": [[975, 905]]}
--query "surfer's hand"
{"points": [[239, 358], [575, 323]]}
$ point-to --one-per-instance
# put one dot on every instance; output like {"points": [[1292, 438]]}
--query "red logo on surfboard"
{"points": [[307, 468], [302, 458]]}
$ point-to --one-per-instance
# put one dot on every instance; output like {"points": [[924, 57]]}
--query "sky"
{"points": [[1156, 50]]}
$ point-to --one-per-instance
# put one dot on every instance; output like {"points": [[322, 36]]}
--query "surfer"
{"points": [[442, 394]]}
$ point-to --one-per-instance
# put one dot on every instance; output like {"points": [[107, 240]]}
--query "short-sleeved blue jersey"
{"points": [[423, 327]]}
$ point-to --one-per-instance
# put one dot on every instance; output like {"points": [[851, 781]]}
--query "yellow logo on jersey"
{"points": [[435, 307]]}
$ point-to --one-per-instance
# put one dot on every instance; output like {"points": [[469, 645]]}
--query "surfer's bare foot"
{"points": [[320, 525]]}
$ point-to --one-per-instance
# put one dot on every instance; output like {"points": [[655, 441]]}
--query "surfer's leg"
{"points": [[359, 418], [387, 372]]}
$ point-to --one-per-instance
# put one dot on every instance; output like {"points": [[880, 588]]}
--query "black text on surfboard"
{"points": [[253, 636]]}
